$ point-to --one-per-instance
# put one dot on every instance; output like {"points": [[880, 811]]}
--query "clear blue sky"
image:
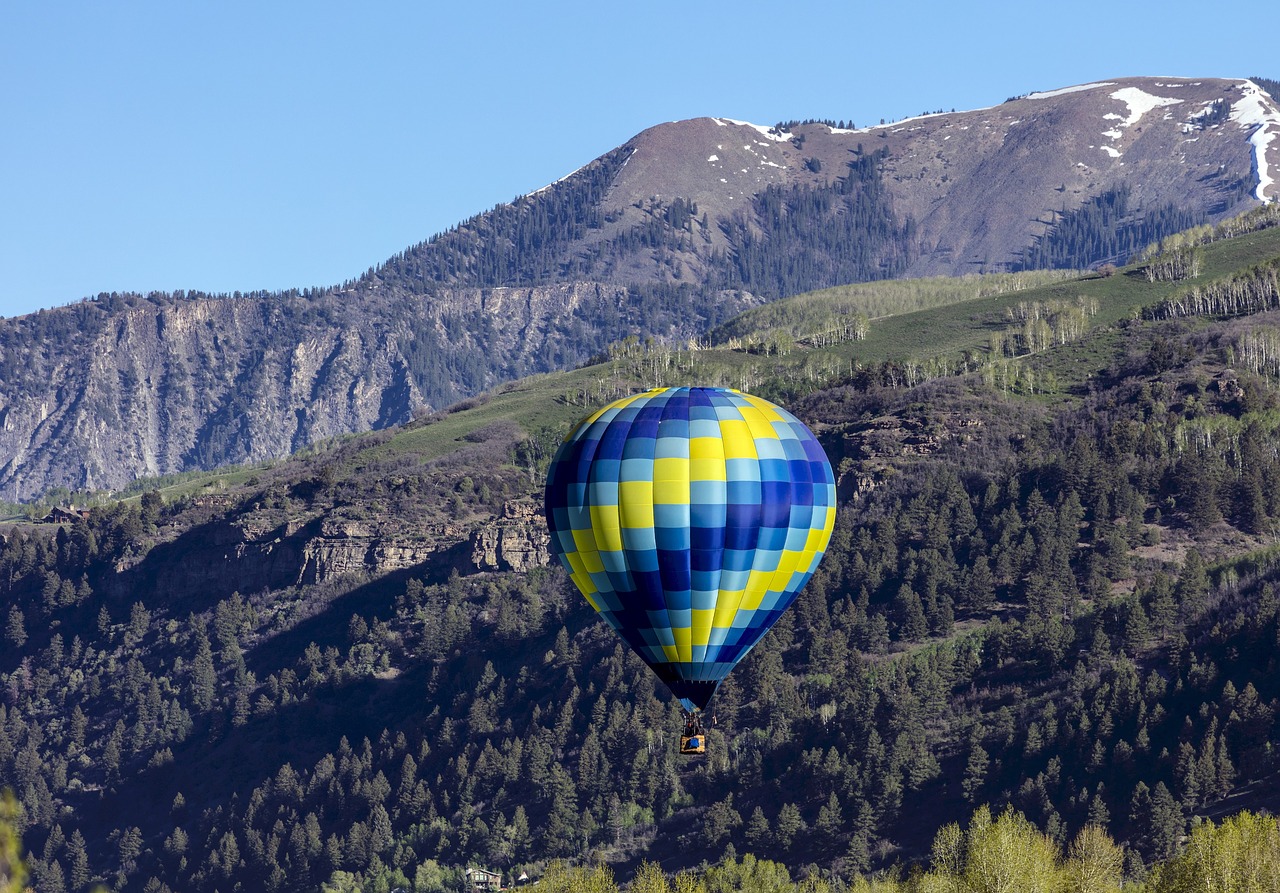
{"points": [[242, 145]]}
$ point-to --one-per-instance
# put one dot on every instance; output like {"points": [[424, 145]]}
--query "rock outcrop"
{"points": [[518, 541]]}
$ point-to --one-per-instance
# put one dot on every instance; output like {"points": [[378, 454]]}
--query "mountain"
{"points": [[667, 236], [1052, 586]]}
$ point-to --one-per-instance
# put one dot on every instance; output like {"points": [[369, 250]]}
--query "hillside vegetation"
{"points": [[1052, 587]]}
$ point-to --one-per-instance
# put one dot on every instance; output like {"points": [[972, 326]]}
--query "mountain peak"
{"points": [[981, 185], [665, 236]]}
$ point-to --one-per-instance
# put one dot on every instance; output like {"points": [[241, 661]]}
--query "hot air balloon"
{"points": [[690, 518]]}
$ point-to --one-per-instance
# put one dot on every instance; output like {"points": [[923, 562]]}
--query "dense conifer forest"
{"points": [[1108, 230], [1046, 617]]}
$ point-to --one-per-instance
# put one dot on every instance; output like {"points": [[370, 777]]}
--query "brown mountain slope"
{"points": [[981, 185], [668, 235]]}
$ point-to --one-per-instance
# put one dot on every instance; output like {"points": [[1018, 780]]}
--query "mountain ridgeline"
{"points": [[668, 236]]}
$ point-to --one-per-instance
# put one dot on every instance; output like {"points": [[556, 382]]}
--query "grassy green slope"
{"points": [[969, 324], [809, 313]]}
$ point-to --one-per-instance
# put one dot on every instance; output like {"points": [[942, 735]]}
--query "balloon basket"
{"points": [[693, 745], [693, 742]]}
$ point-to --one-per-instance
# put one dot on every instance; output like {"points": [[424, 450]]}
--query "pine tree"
{"points": [[720, 821], [380, 832], [975, 773], [830, 819], [1166, 823], [1186, 775], [909, 611], [1192, 588], [560, 833], [788, 824], [204, 679], [1098, 813], [759, 834], [78, 860], [16, 631], [52, 878]]}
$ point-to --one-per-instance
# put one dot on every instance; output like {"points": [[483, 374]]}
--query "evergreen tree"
{"points": [[720, 821], [788, 824], [204, 679], [78, 862], [16, 630], [759, 834], [909, 612], [975, 773], [830, 821], [1166, 824]]}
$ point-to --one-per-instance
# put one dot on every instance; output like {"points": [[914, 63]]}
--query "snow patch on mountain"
{"points": [[561, 180], [1140, 102], [1253, 110], [778, 136], [1049, 94], [912, 120]]}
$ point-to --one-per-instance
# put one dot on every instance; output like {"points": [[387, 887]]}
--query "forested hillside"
{"points": [[1052, 587]]}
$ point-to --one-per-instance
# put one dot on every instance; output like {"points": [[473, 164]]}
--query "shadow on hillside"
{"points": [[234, 760], [210, 562], [329, 625]]}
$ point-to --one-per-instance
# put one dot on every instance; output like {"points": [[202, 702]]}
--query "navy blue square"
{"points": [[707, 537]]}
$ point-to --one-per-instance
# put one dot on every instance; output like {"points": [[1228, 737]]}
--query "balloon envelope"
{"points": [[690, 518]]}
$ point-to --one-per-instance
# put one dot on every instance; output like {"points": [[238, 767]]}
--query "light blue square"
{"points": [[636, 469], [672, 448], [742, 470], [604, 492], [767, 448]]}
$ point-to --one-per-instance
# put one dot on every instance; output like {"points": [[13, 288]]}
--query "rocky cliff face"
{"points": [[174, 384], [517, 542], [651, 239], [162, 387], [237, 552]]}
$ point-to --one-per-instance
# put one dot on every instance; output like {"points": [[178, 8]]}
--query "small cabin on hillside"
{"points": [[60, 515], [483, 880]]}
